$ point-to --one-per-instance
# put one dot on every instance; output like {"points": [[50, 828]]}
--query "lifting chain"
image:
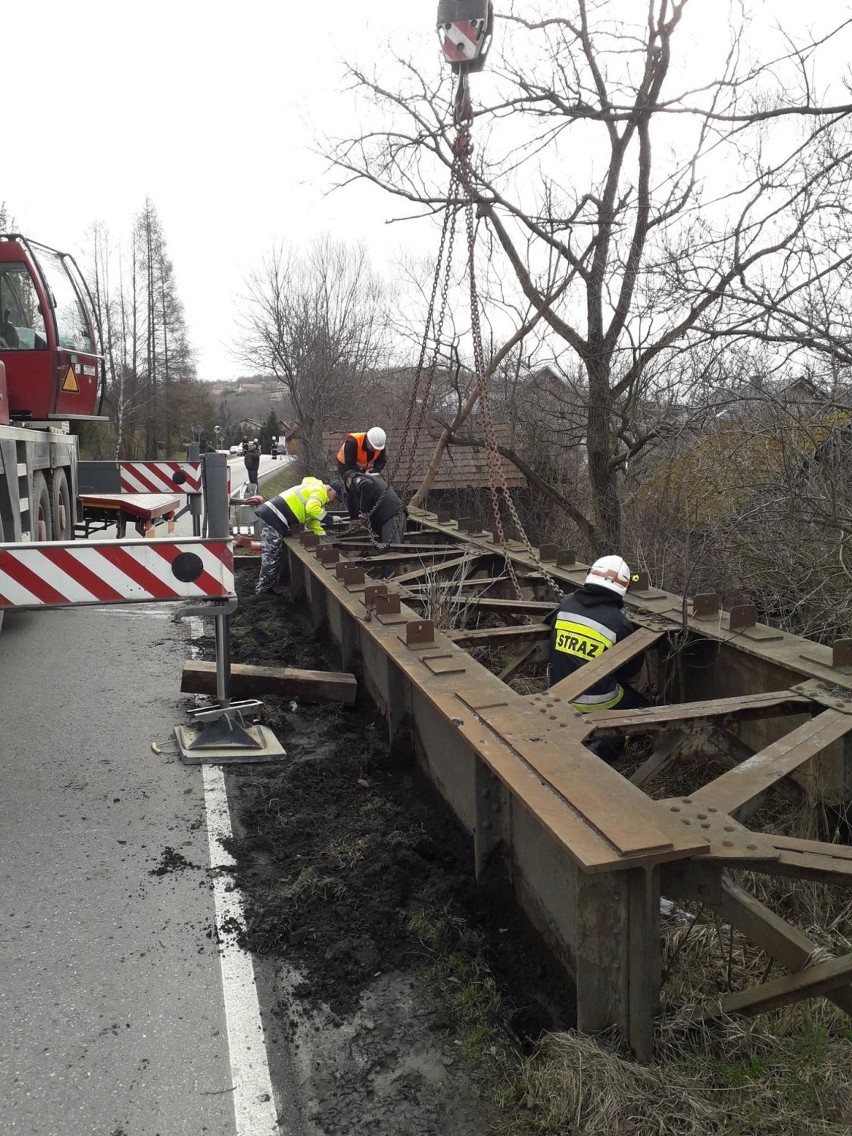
{"points": [[445, 261], [496, 473], [461, 178]]}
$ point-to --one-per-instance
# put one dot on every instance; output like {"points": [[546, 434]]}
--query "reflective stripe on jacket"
{"points": [[587, 623], [305, 503]]}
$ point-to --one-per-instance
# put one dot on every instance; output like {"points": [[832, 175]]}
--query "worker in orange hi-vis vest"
{"points": [[361, 453]]}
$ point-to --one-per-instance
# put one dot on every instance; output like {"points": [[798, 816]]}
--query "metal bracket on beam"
{"points": [[386, 604], [742, 616], [705, 606], [350, 575], [372, 592], [566, 558], [419, 632], [327, 556], [309, 540], [841, 654]]}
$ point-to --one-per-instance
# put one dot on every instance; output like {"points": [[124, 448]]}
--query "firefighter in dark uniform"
{"points": [[371, 495], [588, 622]]}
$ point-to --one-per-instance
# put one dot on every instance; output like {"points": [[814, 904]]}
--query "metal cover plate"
{"points": [[270, 749]]}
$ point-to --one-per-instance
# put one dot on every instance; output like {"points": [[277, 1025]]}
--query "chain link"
{"points": [[496, 472], [461, 177], [445, 261]]}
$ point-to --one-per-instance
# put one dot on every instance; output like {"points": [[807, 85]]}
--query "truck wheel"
{"points": [[60, 506], [43, 518]]}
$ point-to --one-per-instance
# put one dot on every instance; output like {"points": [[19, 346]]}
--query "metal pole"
{"points": [[194, 500], [217, 511], [223, 660]]}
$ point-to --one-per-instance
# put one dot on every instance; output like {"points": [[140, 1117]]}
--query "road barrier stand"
{"points": [[57, 574]]}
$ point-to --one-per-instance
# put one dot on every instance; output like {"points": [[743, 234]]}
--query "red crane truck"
{"points": [[50, 377]]}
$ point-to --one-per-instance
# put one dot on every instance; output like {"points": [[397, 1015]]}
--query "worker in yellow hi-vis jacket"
{"points": [[304, 504]]}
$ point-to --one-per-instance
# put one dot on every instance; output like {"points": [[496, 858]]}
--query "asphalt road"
{"points": [[118, 1004]]}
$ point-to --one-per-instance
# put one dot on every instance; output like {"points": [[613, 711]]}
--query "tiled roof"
{"points": [[462, 467]]}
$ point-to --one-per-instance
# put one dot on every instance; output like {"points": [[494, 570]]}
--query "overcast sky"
{"points": [[202, 107], [211, 110]]}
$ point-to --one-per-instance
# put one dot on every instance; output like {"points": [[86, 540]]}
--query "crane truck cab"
{"points": [[50, 377], [48, 340]]}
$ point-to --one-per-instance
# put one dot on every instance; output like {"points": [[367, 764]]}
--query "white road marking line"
{"points": [[254, 1103]]}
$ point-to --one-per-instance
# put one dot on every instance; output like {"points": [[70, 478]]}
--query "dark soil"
{"points": [[359, 889]]}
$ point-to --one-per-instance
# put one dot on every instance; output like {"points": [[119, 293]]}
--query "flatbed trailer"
{"points": [[143, 510]]}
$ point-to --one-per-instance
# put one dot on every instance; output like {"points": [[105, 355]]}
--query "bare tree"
{"points": [[318, 322], [151, 392], [641, 210]]}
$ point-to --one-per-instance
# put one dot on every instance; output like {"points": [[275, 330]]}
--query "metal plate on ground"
{"points": [[268, 748]]}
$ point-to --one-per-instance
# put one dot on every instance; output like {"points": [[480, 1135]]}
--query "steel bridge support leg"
{"points": [[618, 955], [399, 709], [350, 642], [644, 959], [491, 816], [601, 950], [296, 573], [316, 602]]}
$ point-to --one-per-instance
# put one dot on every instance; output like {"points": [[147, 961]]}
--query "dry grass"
{"points": [[788, 1073], [446, 601]]}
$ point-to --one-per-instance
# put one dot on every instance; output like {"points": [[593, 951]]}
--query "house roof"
{"points": [[462, 467]]}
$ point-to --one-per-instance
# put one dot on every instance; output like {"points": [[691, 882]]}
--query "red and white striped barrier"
{"points": [[160, 477], [115, 571]]}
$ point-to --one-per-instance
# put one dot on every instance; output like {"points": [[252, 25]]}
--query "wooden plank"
{"points": [[576, 684], [246, 680], [812, 982], [774, 704], [143, 505], [488, 636], [748, 781]]}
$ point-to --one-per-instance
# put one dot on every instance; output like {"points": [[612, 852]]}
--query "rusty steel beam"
{"points": [[582, 846], [557, 813]]}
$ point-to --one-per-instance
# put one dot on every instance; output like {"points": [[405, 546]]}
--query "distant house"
{"points": [[293, 436]]}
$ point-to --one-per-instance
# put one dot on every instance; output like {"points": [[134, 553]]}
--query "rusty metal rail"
{"points": [[586, 849]]}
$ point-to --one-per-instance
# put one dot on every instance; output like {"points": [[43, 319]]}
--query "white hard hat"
{"points": [[376, 438], [610, 572]]}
